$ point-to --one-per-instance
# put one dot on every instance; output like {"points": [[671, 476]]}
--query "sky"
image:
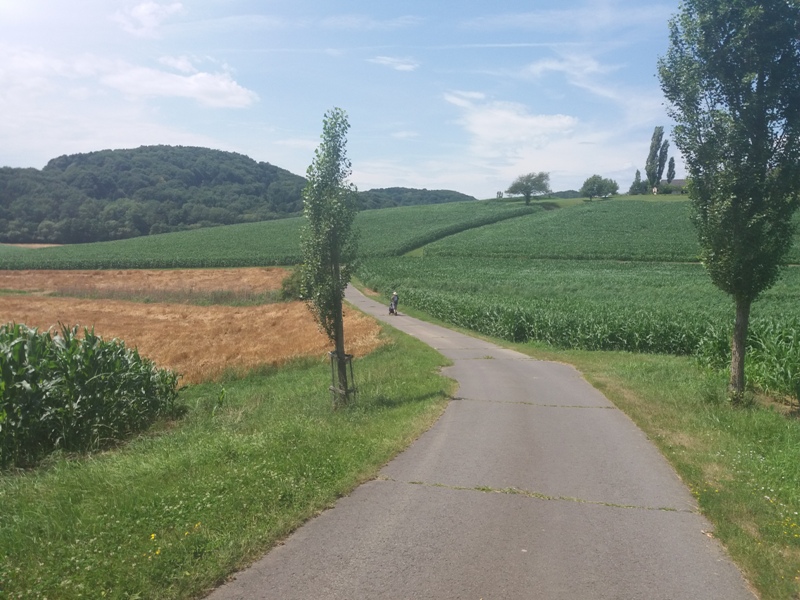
{"points": [[463, 96]]}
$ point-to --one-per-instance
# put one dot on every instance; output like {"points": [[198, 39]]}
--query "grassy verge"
{"points": [[743, 465], [171, 514]]}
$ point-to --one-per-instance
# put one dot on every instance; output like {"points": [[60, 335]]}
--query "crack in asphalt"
{"points": [[514, 491]]}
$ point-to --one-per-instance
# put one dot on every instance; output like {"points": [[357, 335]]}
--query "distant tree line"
{"points": [[399, 196], [117, 194]]}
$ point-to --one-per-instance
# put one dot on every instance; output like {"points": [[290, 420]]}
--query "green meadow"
{"points": [[611, 286]]}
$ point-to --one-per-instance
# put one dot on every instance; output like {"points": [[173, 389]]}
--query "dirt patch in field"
{"points": [[200, 342]]}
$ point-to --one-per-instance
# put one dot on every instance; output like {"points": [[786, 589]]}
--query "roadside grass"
{"points": [[742, 464], [173, 513]]}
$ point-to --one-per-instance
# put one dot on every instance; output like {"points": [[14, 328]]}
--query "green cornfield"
{"points": [[76, 394]]}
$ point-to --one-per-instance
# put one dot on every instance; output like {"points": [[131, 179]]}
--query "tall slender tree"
{"points": [[663, 151], [328, 239], [731, 76], [671, 169], [651, 167]]}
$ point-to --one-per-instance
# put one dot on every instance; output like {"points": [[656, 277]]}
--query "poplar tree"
{"points": [[328, 239], [731, 76], [654, 167]]}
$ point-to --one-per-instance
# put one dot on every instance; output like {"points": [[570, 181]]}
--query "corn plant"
{"points": [[74, 393]]}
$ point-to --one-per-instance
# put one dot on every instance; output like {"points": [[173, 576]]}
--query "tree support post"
{"points": [[343, 383]]}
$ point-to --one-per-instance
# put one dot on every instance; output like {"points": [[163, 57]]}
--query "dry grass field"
{"points": [[200, 342]]}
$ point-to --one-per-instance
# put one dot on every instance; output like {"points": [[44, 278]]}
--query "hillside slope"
{"points": [[119, 194]]}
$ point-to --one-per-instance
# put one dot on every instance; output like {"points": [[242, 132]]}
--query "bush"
{"points": [[75, 394]]}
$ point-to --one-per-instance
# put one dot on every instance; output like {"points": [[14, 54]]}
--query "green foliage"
{"points": [[656, 158], [328, 239], [773, 351], [618, 229], [249, 244], [665, 309], [596, 186], [744, 155], [401, 230], [73, 394], [731, 78], [671, 170], [118, 194], [398, 196], [531, 184], [386, 232], [638, 186], [292, 286]]}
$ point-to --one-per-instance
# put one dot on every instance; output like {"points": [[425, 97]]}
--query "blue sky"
{"points": [[442, 95]]}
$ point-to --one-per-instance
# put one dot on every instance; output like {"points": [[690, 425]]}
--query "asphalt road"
{"points": [[531, 485]]}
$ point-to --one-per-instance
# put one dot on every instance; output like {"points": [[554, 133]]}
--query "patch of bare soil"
{"points": [[200, 342]]}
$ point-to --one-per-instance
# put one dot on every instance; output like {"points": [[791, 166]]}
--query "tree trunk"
{"points": [[738, 343], [341, 360]]}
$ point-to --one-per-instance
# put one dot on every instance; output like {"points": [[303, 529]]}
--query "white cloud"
{"points": [[216, 90], [145, 18], [398, 64], [29, 75], [575, 67], [503, 130], [179, 63]]}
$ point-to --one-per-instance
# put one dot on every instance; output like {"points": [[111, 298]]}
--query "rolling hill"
{"points": [[119, 194]]}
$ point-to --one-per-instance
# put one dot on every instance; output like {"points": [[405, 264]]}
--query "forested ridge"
{"points": [[118, 194]]}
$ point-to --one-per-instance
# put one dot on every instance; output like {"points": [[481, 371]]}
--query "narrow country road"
{"points": [[531, 485]]}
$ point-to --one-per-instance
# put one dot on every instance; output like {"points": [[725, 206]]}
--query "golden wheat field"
{"points": [[200, 342]]}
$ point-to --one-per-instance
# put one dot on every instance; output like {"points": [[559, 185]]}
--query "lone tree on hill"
{"points": [[657, 158], [328, 239], [731, 77], [596, 186], [532, 184]]}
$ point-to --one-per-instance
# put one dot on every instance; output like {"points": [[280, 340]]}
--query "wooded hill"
{"points": [[118, 194]]}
